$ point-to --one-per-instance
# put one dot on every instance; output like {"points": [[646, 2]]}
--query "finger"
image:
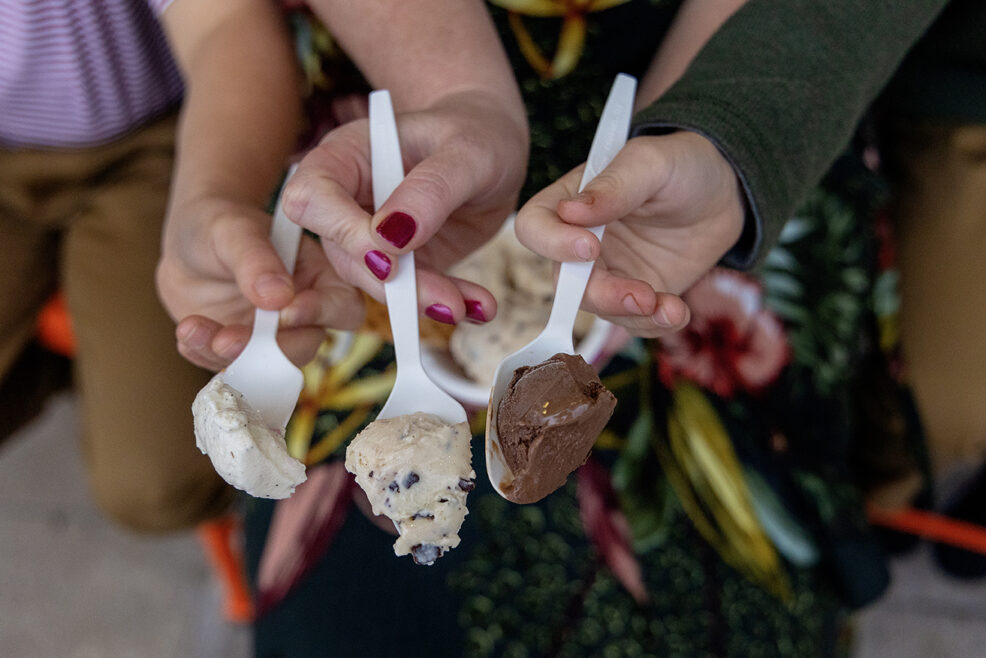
{"points": [[445, 299], [636, 174], [298, 344], [229, 341], [244, 248], [440, 297], [324, 299], [324, 207], [327, 196], [641, 327], [635, 305], [480, 304], [340, 309], [194, 336], [646, 326], [418, 207], [539, 227]]}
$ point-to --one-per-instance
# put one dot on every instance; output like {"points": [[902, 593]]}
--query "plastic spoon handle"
{"points": [[610, 137], [285, 236], [388, 172]]}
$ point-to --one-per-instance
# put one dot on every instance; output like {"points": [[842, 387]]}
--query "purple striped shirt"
{"points": [[78, 73]]}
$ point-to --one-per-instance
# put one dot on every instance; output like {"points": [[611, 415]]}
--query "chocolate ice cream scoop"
{"points": [[547, 421]]}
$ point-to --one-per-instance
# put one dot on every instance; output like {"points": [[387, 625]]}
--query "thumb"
{"points": [[634, 176], [417, 208], [245, 249]]}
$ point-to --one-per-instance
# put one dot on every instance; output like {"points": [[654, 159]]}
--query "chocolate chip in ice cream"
{"points": [[547, 421]]}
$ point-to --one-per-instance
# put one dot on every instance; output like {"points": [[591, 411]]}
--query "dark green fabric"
{"points": [[944, 76], [780, 88]]}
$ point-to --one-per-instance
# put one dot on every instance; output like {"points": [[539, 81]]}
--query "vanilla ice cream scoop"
{"points": [[416, 470], [244, 450]]}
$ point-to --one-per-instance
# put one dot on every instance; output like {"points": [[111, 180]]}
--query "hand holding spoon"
{"points": [[413, 391], [573, 277], [270, 383]]}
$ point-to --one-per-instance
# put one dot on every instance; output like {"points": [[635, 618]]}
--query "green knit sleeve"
{"points": [[779, 90]]}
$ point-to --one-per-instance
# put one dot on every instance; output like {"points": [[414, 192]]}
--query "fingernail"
{"points": [[583, 197], [397, 229], [378, 263], [229, 349], [194, 336], [294, 200], [631, 305], [474, 311], [661, 318], [290, 317], [440, 313], [583, 249], [271, 285]]}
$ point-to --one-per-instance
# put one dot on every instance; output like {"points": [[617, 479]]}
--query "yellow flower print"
{"points": [[571, 38], [329, 385], [706, 474]]}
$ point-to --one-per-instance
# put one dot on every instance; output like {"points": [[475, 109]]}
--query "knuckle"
{"points": [[432, 185]]}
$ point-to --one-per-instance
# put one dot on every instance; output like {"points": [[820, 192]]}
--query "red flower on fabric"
{"points": [[607, 527], [732, 342]]}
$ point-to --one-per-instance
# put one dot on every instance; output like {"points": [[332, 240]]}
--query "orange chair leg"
{"points": [[55, 327], [219, 539]]}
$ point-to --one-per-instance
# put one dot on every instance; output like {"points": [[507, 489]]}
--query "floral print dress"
{"points": [[720, 513]]}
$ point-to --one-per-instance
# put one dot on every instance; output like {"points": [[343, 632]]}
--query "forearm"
{"points": [[242, 109], [779, 89], [426, 50], [694, 24]]}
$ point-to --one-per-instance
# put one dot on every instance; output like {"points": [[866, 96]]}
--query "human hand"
{"points": [[217, 264], [673, 207], [466, 159]]}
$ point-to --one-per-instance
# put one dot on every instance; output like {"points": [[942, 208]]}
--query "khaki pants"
{"points": [[940, 210], [89, 221]]}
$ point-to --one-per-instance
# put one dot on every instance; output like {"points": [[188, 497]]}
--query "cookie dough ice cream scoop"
{"points": [[416, 470], [240, 415], [244, 450], [413, 461]]}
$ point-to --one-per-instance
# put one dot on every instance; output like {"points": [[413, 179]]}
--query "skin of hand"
{"points": [[464, 140], [673, 204], [672, 207], [239, 123]]}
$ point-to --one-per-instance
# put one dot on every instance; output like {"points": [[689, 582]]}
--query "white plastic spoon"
{"points": [[556, 337], [413, 391], [270, 383]]}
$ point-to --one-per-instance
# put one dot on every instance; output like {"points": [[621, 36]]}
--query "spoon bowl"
{"points": [[556, 337], [270, 383], [413, 391]]}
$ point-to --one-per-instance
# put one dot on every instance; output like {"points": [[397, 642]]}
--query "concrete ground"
{"points": [[74, 586]]}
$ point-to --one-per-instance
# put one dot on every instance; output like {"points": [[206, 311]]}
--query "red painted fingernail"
{"points": [[474, 311], [440, 313], [378, 263], [397, 229]]}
